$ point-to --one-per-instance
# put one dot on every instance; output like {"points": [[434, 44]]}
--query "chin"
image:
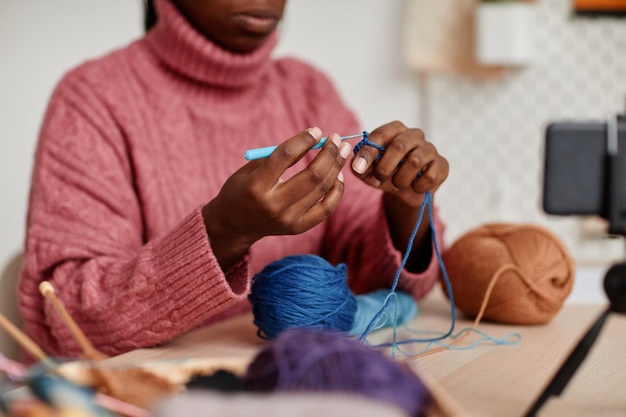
{"points": [[247, 44]]}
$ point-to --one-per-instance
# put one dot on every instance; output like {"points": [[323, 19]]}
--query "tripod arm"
{"points": [[571, 365], [615, 277], [613, 187], [615, 289]]}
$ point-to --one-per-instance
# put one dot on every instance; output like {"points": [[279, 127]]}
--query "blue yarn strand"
{"points": [[510, 339], [427, 203], [399, 270]]}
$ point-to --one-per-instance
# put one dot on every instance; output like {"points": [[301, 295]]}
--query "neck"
{"points": [[184, 50]]}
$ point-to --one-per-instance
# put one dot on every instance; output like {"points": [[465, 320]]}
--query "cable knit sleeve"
{"points": [[85, 234], [357, 233]]}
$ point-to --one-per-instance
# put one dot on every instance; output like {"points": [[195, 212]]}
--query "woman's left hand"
{"points": [[408, 168]]}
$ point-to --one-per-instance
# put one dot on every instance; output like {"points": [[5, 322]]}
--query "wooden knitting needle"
{"points": [[445, 403], [89, 351], [25, 342]]}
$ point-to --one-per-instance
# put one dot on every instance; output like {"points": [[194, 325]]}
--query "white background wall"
{"points": [[39, 41], [358, 42]]}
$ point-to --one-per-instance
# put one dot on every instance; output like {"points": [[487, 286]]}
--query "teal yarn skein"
{"points": [[400, 310], [307, 291]]}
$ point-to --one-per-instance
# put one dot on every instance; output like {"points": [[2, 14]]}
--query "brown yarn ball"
{"points": [[533, 269]]}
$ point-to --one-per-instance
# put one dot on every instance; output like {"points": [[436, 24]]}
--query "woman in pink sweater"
{"points": [[147, 219]]}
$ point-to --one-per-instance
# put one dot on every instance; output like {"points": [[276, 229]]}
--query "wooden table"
{"points": [[486, 381]]}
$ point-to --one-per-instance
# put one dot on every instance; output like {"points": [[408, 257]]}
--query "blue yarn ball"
{"points": [[301, 291]]}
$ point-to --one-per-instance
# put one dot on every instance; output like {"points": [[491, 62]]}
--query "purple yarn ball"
{"points": [[319, 360]]}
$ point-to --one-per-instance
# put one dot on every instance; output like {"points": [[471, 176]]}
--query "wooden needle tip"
{"points": [[45, 288]]}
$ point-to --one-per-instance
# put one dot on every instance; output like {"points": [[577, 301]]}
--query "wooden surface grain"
{"points": [[488, 380]]}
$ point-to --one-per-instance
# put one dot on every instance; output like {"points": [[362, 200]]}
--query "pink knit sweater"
{"points": [[132, 146]]}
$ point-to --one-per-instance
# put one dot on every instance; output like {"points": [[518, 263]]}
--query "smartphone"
{"points": [[576, 176]]}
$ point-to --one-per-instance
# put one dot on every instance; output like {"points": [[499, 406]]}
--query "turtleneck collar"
{"points": [[183, 49]]}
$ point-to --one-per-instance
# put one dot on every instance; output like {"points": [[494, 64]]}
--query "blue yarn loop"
{"points": [[381, 149], [366, 141]]}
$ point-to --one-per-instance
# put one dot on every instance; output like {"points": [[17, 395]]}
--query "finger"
{"points": [[408, 146], [433, 175], [250, 166], [287, 154], [365, 157], [414, 164], [315, 181], [324, 207]]}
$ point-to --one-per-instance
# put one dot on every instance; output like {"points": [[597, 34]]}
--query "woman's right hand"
{"points": [[256, 201]]}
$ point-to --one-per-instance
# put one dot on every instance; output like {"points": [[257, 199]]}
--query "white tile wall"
{"points": [[492, 131]]}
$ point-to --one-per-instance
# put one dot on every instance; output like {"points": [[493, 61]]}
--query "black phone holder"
{"points": [[614, 278]]}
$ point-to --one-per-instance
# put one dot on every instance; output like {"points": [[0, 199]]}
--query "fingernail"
{"points": [[359, 165], [345, 150], [340, 176], [316, 132], [336, 139]]}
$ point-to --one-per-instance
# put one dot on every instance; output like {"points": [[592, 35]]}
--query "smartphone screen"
{"points": [[575, 180]]}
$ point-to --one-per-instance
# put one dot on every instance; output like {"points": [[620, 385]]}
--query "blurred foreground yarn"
{"points": [[316, 360]]}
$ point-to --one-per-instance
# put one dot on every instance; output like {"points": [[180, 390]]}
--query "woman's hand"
{"points": [[256, 201], [408, 168]]}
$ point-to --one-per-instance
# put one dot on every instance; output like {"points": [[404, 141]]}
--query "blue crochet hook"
{"points": [[259, 153]]}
